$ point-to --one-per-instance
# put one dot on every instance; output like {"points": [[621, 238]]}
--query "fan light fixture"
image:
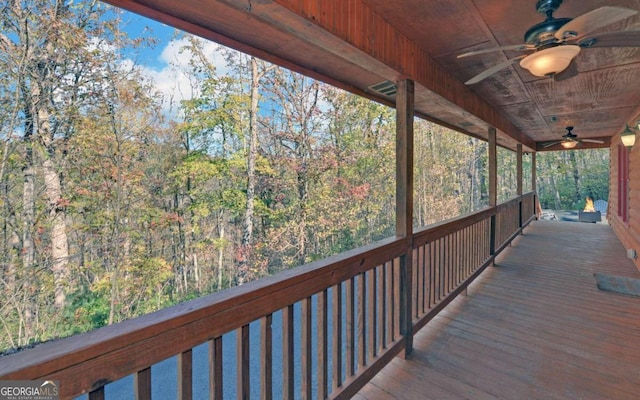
{"points": [[568, 144], [628, 137], [550, 61]]}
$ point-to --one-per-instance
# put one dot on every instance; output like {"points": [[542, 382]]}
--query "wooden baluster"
{"points": [[362, 329], [287, 354], [243, 384], [349, 320], [472, 247], [215, 368], [418, 286], [97, 394], [305, 342], [371, 315], [266, 360], [432, 274], [458, 258], [388, 271], [185, 375], [450, 260], [142, 384], [382, 316], [322, 369], [442, 261], [447, 264], [336, 345], [396, 299]]}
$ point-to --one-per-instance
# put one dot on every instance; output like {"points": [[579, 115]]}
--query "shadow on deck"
{"points": [[535, 326]]}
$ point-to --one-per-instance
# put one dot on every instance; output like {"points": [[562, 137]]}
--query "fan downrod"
{"points": [[569, 134], [547, 7], [542, 34]]}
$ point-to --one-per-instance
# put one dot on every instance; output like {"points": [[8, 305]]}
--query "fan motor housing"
{"points": [[544, 31]]}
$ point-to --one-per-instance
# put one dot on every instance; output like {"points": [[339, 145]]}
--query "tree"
{"points": [[53, 68], [45, 62], [566, 178]]}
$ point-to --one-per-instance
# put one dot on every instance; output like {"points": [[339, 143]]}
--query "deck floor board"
{"points": [[535, 326]]}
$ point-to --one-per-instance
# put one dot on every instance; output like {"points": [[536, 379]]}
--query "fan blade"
{"points": [[613, 39], [569, 72], [544, 146], [589, 22], [592, 141], [487, 73], [503, 48]]}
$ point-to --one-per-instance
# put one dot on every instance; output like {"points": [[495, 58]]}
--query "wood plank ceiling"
{"points": [[356, 44]]}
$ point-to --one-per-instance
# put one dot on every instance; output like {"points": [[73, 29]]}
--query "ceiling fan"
{"points": [[570, 140], [554, 43]]}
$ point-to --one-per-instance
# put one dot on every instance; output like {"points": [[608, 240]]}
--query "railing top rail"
{"points": [[440, 229], [164, 333], [514, 200]]}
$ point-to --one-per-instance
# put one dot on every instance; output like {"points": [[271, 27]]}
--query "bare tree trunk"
{"points": [[113, 295], [28, 222], [247, 234], [576, 177], [552, 183], [220, 248], [59, 241], [40, 98], [28, 249], [196, 270]]}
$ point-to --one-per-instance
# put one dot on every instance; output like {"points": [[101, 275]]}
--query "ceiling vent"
{"points": [[386, 88]]}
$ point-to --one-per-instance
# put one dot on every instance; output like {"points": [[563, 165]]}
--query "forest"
{"points": [[112, 207]]}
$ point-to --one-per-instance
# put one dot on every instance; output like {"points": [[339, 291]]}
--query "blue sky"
{"points": [[162, 62], [136, 25]]}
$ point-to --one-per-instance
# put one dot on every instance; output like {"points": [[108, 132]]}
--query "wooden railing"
{"points": [[322, 330]]}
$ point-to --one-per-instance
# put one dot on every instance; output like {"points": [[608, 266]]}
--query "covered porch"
{"points": [[391, 320], [535, 326]]}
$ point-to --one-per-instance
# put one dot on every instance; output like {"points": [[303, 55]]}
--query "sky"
{"points": [[162, 62]]}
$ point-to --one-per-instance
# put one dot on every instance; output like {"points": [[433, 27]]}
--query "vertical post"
{"points": [[404, 201], [493, 185], [519, 183], [243, 389], [185, 375], [533, 171], [519, 168]]}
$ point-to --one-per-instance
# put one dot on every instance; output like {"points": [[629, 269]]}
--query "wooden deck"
{"points": [[533, 327]]}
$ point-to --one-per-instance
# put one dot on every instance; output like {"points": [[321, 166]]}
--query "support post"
{"points": [[519, 183], [493, 185], [404, 202], [519, 168]]}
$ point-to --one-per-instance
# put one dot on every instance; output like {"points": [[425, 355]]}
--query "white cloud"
{"points": [[170, 77]]}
